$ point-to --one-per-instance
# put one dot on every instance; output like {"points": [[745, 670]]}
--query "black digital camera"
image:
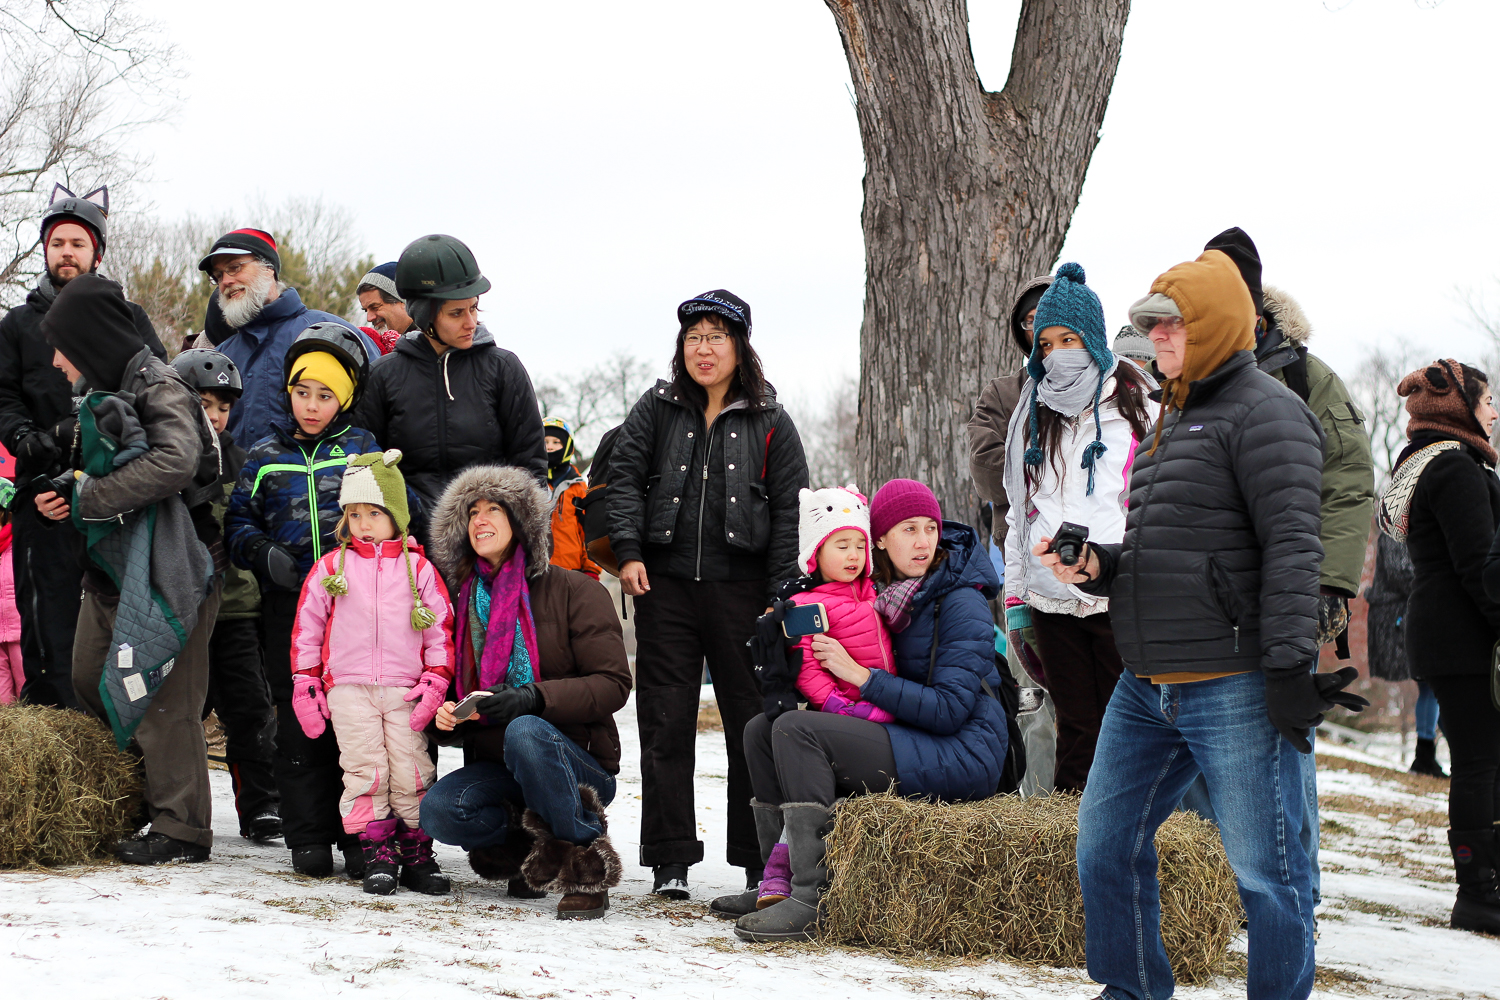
{"points": [[1069, 541]]}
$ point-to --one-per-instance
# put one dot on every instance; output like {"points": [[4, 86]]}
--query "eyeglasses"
{"points": [[1171, 322], [712, 339], [232, 271], [1027, 323]]}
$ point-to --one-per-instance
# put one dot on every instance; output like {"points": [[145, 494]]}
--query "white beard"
{"points": [[244, 307]]}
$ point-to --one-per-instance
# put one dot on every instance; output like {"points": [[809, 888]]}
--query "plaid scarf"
{"points": [[893, 604]]}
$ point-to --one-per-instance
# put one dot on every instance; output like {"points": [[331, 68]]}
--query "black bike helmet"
{"points": [[71, 208], [439, 267], [205, 369], [337, 340]]}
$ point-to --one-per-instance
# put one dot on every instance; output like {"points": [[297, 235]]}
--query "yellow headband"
{"points": [[324, 367]]}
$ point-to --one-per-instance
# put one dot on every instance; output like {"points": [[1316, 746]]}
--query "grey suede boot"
{"points": [[767, 833], [796, 917]]}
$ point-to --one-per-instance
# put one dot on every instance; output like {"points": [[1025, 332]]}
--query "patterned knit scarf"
{"points": [[496, 632], [893, 604]]}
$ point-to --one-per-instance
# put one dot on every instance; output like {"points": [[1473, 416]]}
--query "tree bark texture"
{"points": [[968, 193]]}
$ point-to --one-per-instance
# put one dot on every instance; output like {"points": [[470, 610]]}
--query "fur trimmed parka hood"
{"points": [[517, 491], [1288, 314]]}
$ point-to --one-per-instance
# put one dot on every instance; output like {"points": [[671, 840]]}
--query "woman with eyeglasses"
{"points": [[703, 523]]}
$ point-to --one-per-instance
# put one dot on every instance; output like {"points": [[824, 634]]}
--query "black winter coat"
{"points": [[700, 503], [33, 394], [469, 407], [1218, 571], [1451, 622], [1386, 622]]}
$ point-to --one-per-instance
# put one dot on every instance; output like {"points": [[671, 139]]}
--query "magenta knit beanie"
{"points": [[898, 500]]}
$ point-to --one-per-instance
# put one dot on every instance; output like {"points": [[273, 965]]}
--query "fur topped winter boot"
{"points": [[767, 833], [382, 856], [503, 860], [796, 917], [419, 869], [1477, 907], [583, 873]]}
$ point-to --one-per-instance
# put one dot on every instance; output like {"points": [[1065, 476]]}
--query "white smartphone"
{"points": [[466, 708]]}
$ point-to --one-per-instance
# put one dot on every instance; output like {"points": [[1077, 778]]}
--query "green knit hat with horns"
{"points": [[375, 480]]}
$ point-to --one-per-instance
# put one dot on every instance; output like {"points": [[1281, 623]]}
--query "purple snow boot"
{"points": [[419, 869], [776, 883], [382, 856]]}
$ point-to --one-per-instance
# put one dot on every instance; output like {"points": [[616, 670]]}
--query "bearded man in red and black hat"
{"points": [[37, 426]]}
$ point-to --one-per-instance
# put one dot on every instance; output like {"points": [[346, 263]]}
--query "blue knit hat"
{"points": [[1071, 303], [383, 277]]}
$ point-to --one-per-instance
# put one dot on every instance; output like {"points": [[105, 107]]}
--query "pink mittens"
{"points": [[309, 704], [432, 689]]}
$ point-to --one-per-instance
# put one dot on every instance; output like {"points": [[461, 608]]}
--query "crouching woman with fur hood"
{"points": [[542, 751]]}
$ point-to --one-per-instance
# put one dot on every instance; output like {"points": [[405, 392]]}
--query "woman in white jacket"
{"points": [[1071, 444]]}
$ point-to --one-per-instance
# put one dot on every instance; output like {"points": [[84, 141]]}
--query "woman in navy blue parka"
{"points": [[948, 740]]}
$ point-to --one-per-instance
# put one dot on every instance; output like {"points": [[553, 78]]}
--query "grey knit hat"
{"points": [[1131, 343]]}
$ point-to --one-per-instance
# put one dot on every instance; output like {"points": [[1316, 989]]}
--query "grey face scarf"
{"points": [[1070, 384]]}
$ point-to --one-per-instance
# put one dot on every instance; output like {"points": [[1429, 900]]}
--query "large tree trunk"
{"points": [[967, 194]]}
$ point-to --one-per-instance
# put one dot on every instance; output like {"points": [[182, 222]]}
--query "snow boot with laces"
{"points": [[382, 857], [1477, 907], [767, 833], [419, 869]]}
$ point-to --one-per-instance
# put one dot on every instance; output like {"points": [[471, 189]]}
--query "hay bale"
{"points": [[999, 877], [66, 793]]}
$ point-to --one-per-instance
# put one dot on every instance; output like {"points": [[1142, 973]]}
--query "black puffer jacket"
{"points": [[1218, 572], [1451, 622], [469, 407], [33, 394], [696, 503]]}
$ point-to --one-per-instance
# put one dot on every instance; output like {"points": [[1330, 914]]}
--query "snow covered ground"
{"points": [[244, 926]]}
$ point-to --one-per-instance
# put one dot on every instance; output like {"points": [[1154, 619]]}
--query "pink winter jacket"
{"points": [[10, 615], [854, 622], [365, 637]]}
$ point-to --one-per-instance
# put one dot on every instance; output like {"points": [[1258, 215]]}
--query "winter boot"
{"points": [[352, 848], [583, 873], [777, 883], [503, 860], [382, 857], [262, 827], [158, 849], [796, 917], [1426, 760], [767, 833], [314, 862], [419, 869], [1477, 907]]}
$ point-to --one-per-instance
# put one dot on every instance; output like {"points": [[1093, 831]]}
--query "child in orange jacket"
{"points": [[565, 482]]}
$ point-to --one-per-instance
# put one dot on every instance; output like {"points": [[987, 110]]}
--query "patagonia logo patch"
{"points": [[1195, 427]]}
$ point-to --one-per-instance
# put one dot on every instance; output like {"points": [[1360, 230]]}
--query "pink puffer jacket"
{"points": [[854, 622], [365, 636]]}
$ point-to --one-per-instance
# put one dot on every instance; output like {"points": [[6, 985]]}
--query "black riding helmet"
{"points": [[435, 269], [81, 210], [206, 369], [334, 339]]}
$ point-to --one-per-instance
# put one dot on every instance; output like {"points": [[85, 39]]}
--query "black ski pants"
{"points": [[48, 565], [1082, 668], [238, 692], [307, 771], [1472, 727], [678, 625], [817, 757]]}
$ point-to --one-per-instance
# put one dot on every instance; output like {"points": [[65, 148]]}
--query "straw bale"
{"points": [[999, 877], [66, 793]]}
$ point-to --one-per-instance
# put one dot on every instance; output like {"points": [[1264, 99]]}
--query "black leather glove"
{"points": [[776, 666], [63, 485], [276, 567], [38, 451], [1296, 702], [511, 703]]}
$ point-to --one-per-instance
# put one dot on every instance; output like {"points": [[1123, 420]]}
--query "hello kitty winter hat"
{"points": [[825, 512]]}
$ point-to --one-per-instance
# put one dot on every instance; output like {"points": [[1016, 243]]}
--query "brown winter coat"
{"points": [[992, 416], [583, 674]]}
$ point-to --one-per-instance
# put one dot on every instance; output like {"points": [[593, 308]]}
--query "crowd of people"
{"points": [[359, 544]]}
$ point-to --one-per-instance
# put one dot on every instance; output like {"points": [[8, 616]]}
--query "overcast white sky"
{"points": [[606, 160]]}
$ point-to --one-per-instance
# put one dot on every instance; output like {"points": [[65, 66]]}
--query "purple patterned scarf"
{"points": [[491, 618], [894, 602]]}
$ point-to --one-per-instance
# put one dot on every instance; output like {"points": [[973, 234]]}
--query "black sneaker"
{"points": [[158, 849], [314, 862], [262, 828], [671, 881]]}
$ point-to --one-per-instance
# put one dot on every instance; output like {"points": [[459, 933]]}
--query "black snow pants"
{"points": [[238, 692], [48, 568]]}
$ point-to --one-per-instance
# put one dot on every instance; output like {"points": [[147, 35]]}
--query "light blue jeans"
{"points": [[1154, 741]]}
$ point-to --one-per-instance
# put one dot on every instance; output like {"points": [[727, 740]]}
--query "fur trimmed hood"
{"points": [[1293, 322], [521, 495]]}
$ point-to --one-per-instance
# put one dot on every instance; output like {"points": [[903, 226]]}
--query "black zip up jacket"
{"points": [[1218, 571], [33, 394], [701, 503], [448, 412]]}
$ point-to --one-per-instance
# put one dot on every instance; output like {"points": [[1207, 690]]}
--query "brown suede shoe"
{"points": [[583, 905]]}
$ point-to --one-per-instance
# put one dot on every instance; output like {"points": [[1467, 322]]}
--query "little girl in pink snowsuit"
{"points": [[371, 637], [12, 677]]}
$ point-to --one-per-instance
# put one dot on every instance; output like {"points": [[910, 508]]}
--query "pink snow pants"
{"points": [[12, 678], [386, 767]]}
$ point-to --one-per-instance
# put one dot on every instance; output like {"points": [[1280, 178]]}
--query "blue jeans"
{"points": [[542, 772], [1427, 712], [1154, 741]]}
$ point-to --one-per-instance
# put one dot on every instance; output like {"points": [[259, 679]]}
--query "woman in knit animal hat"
{"points": [[1072, 447], [1445, 496], [373, 653]]}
